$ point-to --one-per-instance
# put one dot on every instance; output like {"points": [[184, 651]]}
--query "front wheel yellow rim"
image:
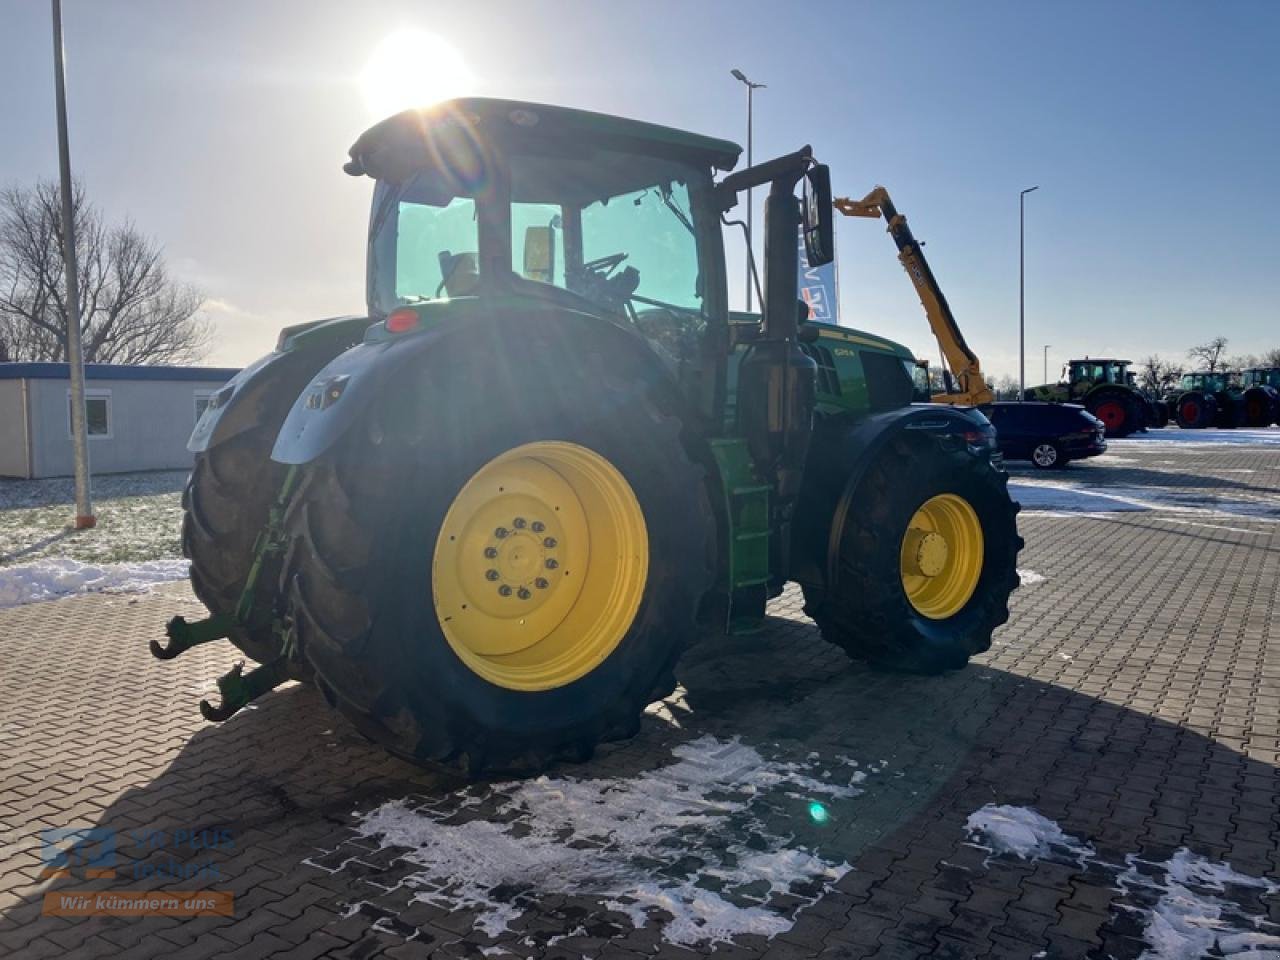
{"points": [[540, 566], [940, 560]]}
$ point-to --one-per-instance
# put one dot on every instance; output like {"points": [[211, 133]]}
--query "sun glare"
{"points": [[413, 68]]}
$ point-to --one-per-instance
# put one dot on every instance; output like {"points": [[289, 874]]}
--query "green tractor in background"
{"points": [[1107, 390], [1261, 396], [1208, 399], [486, 519]]}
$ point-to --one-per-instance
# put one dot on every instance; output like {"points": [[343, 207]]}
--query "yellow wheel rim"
{"points": [[941, 556], [540, 566]]}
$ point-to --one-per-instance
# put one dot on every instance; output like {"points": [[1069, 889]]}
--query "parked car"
{"points": [[1048, 434]]}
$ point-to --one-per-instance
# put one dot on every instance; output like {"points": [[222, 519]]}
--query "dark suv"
{"points": [[1047, 434]]}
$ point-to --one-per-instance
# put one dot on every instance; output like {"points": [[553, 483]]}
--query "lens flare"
{"points": [[818, 813], [413, 68]]}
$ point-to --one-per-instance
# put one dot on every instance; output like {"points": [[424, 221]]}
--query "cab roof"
{"points": [[1099, 360], [400, 143]]}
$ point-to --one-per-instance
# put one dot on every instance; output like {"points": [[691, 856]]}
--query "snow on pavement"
{"points": [[1264, 435], [1189, 906], [1060, 498], [686, 842], [52, 579]]}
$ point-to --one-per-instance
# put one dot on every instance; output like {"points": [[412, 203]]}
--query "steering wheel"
{"points": [[604, 265]]}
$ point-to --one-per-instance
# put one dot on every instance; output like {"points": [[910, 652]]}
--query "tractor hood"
{"points": [[463, 132]]}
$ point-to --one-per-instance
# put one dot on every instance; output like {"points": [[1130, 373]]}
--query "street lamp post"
{"points": [[1022, 285], [1046, 362], [75, 354], [751, 88]]}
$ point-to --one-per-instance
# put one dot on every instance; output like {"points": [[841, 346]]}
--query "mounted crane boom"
{"points": [[963, 362]]}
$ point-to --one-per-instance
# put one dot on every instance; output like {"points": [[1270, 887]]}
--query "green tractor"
{"points": [[1107, 390], [486, 519], [1208, 399], [1261, 396]]}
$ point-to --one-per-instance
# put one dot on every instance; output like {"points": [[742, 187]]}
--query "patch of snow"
{"points": [[51, 579], [1027, 835], [1036, 497], [1184, 918], [1028, 577], [1189, 905], [1264, 436], [637, 844]]}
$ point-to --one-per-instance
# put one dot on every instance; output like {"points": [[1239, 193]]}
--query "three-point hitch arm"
{"points": [[960, 358]]}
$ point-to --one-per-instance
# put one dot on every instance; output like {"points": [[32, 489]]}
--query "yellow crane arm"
{"points": [[963, 362]]}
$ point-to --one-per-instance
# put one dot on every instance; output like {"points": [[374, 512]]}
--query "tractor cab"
{"points": [[496, 200], [1084, 375], [1261, 377], [1203, 380]]}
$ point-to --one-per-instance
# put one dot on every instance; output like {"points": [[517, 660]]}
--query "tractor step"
{"points": [[238, 688], [746, 507], [183, 636]]}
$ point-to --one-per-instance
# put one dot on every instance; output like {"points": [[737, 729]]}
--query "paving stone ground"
{"points": [[1133, 698]]}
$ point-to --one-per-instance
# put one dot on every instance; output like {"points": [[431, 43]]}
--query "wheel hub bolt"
{"points": [[551, 563], [504, 591], [549, 542], [518, 523], [523, 593], [501, 533], [541, 583], [491, 575], [490, 552], [537, 526]]}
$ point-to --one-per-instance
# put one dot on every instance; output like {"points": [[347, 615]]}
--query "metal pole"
{"points": [[750, 234], [1022, 283], [1046, 362], [751, 88], [75, 355]]}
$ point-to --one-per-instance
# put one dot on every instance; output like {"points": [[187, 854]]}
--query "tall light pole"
{"points": [[751, 88], [75, 355], [1022, 287], [1046, 362]]}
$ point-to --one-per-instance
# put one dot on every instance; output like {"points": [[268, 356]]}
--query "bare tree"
{"points": [[1270, 359], [131, 311], [1158, 375], [1209, 355]]}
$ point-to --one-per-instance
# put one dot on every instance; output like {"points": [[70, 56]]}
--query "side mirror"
{"points": [[819, 217], [540, 254]]}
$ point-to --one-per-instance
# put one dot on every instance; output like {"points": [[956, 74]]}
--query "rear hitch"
{"points": [[238, 688], [183, 636]]}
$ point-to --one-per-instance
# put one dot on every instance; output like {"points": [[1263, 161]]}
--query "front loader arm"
{"points": [[960, 358]]}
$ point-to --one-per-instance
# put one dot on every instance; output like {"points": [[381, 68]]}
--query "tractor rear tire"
{"points": [[1162, 413], [870, 611], [387, 602], [1120, 412], [1196, 410], [225, 505]]}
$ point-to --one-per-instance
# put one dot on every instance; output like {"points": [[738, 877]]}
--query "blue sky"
{"points": [[1153, 130]]}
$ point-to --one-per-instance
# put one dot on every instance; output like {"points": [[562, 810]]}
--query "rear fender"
{"points": [[839, 458], [343, 392], [255, 394]]}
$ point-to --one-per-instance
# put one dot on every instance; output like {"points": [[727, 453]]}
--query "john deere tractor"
{"points": [[1106, 390], [1261, 396], [1208, 399], [486, 519]]}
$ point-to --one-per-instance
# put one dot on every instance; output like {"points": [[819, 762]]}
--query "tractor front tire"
{"points": [[1196, 410], [502, 572], [927, 560]]}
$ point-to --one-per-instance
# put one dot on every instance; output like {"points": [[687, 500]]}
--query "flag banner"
{"points": [[818, 287]]}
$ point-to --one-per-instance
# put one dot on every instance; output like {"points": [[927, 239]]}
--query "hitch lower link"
{"points": [[236, 687]]}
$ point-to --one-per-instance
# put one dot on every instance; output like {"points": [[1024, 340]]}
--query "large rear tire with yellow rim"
{"points": [[494, 581], [927, 559]]}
